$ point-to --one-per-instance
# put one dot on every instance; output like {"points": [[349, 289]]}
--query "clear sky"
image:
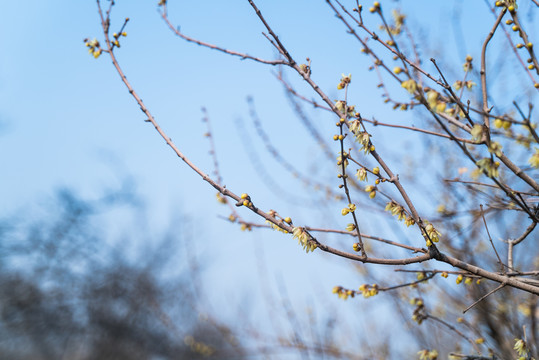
{"points": [[67, 120]]}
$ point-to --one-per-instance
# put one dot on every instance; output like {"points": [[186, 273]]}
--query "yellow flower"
{"points": [[489, 167], [342, 157], [495, 148], [433, 234], [534, 160], [432, 99], [304, 239], [410, 86], [361, 174], [220, 198], [409, 221], [477, 132], [521, 347]]}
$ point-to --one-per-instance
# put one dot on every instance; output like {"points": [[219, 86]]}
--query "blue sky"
{"points": [[67, 120]]}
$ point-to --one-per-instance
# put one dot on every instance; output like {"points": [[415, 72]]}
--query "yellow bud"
{"points": [[245, 203], [376, 170], [288, 220], [511, 8], [244, 196], [514, 27], [498, 123], [372, 194], [397, 70]]}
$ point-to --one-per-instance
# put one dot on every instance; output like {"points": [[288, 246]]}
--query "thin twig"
{"points": [[502, 267]]}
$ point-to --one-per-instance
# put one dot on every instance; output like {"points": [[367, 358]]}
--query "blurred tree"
{"points": [[69, 292]]}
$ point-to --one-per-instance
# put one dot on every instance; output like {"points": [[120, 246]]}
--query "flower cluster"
{"points": [[521, 348], [435, 102], [94, 47], [371, 189], [410, 85], [495, 148], [489, 167], [396, 210], [431, 233], [464, 84], [345, 80], [220, 198], [499, 123], [342, 158], [343, 293], [468, 64], [245, 200], [477, 133], [116, 36], [534, 160], [420, 312], [349, 209], [348, 110], [428, 355], [368, 290], [304, 239], [361, 174], [246, 227], [276, 227]]}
